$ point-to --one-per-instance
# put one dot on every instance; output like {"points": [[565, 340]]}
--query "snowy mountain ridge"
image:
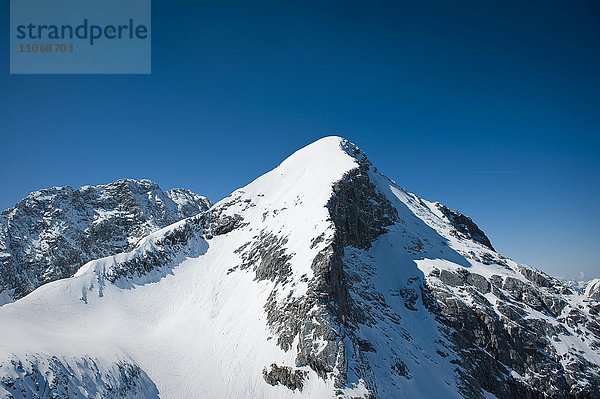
{"points": [[320, 279], [592, 289], [52, 232]]}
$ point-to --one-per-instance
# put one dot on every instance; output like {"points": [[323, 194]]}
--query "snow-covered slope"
{"points": [[52, 232], [320, 279]]}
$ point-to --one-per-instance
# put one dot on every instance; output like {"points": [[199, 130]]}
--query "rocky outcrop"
{"points": [[283, 375], [268, 258], [465, 226], [359, 212]]}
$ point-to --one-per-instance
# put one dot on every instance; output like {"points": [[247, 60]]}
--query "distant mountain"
{"points": [[592, 289], [53, 232], [320, 279]]}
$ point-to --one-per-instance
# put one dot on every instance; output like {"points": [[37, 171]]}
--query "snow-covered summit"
{"points": [[320, 279]]}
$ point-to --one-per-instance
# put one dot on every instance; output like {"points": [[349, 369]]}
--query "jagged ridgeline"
{"points": [[320, 279], [51, 233]]}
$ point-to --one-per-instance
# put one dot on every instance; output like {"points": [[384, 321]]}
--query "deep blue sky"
{"points": [[491, 107]]}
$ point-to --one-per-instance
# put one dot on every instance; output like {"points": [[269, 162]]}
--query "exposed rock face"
{"points": [[292, 379], [358, 210], [465, 226], [52, 232], [516, 350]]}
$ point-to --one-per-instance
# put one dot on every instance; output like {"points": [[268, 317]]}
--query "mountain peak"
{"points": [[330, 145], [321, 278], [325, 152]]}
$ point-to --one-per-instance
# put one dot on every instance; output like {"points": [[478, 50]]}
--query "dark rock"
{"points": [[535, 276], [365, 345], [359, 212], [410, 297], [451, 278], [479, 282], [466, 227], [268, 257], [286, 376], [400, 368]]}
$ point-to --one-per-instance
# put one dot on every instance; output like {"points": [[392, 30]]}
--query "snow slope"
{"points": [[320, 279]]}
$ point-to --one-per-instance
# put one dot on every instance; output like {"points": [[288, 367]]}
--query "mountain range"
{"points": [[51, 233], [320, 279]]}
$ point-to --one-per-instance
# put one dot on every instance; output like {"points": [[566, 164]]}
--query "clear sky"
{"points": [[491, 107]]}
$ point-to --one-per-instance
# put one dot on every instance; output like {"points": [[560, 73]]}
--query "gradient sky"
{"points": [[491, 107]]}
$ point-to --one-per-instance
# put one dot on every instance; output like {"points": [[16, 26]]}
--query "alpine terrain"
{"points": [[320, 279], [53, 232]]}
